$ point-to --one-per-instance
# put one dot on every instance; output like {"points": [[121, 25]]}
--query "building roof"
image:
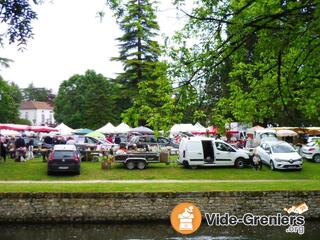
{"points": [[35, 105]]}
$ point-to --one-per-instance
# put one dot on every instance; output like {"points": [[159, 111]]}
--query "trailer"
{"points": [[140, 160]]}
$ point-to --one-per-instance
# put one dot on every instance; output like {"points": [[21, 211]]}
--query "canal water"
{"points": [[147, 231]]}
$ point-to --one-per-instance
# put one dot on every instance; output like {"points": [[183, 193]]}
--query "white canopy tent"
{"points": [[108, 129], [184, 127], [199, 129], [64, 129], [122, 128], [9, 132]]}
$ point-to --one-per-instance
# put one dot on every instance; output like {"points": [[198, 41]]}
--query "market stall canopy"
{"points": [[108, 128], [82, 131], [42, 129], [184, 127], [141, 129], [9, 133], [20, 127], [212, 130], [308, 130], [96, 134], [254, 129], [14, 127], [122, 128], [64, 129], [286, 133], [199, 129]]}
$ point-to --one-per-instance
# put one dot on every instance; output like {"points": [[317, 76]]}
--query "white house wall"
{"points": [[35, 116]]}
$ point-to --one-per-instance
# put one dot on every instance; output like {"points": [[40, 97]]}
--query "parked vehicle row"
{"points": [[193, 151]]}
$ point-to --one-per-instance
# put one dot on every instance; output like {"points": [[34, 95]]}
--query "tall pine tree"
{"points": [[139, 52]]}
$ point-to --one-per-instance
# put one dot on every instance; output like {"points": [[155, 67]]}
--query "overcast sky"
{"points": [[69, 39]]}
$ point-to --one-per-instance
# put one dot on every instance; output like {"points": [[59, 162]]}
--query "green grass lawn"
{"points": [[160, 187], [37, 170]]}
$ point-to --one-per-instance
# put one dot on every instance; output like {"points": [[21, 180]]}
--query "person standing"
{"points": [[3, 150], [30, 146], [117, 139], [20, 147]]}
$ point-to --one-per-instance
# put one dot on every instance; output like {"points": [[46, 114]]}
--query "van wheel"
{"points": [[130, 165], [239, 163], [316, 158], [185, 164], [141, 165], [272, 166]]}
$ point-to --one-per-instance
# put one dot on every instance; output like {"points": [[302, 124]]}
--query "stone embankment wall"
{"points": [[96, 207]]}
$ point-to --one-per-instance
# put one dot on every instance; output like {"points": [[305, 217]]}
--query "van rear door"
{"points": [[195, 151]]}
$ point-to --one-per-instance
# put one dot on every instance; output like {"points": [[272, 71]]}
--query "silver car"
{"points": [[279, 155], [311, 151]]}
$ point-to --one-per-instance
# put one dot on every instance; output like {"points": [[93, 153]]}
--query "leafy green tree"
{"points": [[9, 108], [260, 55], [85, 101], [32, 93], [23, 121], [155, 105], [17, 16], [146, 93]]}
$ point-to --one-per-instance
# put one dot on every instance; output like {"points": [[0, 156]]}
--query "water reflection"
{"points": [[146, 231]]}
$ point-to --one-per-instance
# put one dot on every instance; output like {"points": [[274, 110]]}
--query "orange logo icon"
{"points": [[185, 218]]}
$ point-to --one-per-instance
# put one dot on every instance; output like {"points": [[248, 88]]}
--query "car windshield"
{"points": [[63, 154], [311, 144], [282, 148]]}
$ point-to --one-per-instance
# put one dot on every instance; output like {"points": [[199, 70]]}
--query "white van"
{"points": [[196, 151]]}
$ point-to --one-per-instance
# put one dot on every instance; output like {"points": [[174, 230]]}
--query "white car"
{"points": [[279, 155], [311, 151]]}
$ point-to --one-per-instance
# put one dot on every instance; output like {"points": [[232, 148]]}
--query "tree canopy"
{"points": [[32, 93], [85, 101], [255, 61], [9, 104], [16, 17], [139, 52]]}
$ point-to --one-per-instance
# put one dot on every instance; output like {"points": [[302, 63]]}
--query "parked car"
{"points": [[313, 139], [195, 151], [64, 158], [144, 140], [311, 151], [91, 142], [279, 155]]}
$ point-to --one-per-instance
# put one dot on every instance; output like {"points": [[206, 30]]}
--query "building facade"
{"points": [[38, 113]]}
